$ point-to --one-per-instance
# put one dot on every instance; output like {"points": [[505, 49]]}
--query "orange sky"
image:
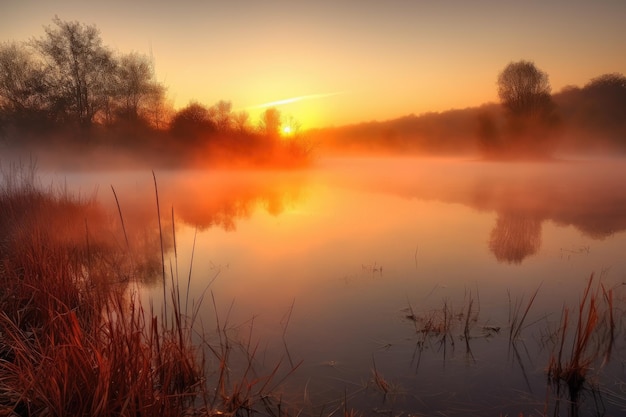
{"points": [[348, 61]]}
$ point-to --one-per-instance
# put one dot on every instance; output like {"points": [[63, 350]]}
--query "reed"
{"points": [[466, 327], [516, 322], [75, 338], [379, 380], [591, 341]]}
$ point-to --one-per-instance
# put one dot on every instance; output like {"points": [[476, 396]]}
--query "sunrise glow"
{"points": [[357, 187], [395, 58]]}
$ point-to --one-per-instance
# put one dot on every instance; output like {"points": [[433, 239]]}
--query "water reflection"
{"points": [[200, 199], [203, 202], [515, 237], [321, 238], [589, 195]]}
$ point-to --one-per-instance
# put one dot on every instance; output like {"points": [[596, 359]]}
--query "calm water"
{"points": [[350, 267]]}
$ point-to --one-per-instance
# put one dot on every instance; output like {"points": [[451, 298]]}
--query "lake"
{"points": [[396, 285]]}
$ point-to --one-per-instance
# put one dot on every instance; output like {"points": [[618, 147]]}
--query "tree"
{"points": [[135, 84], [487, 132], [611, 83], [192, 121], [221, 115], [529, 114], [605, 98], [22, 84], [81, 69], [158, 109], [270, 122], [240, 121], [524, 89]]}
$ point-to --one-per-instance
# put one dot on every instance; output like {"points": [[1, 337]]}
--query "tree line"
{"points": [[528, 121], [534, 122], [68, 84]]}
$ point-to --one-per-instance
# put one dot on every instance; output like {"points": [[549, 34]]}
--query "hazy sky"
{"points": [[351, 60]]}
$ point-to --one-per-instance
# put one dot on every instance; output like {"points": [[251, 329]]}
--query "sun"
{"points": [[287, 130]]}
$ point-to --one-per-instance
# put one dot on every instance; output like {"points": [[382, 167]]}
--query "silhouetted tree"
{"points": [[240, 121], [192, 121], [524, 89], [221, 114], [22, 86], [135, 84], [270, 122], [158, 110], [80, 69], [605, 98], [608, 84], [489, 139]]}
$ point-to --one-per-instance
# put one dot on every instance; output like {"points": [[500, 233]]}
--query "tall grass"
{"points": [[75, 338], [590, 345]]}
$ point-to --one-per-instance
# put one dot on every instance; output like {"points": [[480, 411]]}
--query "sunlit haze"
{"points": [[313, 208], [329, 63]]}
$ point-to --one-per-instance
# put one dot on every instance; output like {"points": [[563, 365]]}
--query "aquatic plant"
{"points": [[75, 337], [516, 322], [591, 342]]}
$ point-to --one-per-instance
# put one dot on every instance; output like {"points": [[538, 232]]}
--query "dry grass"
{"points": [[379, 381], [591, 344], [75, 338]]}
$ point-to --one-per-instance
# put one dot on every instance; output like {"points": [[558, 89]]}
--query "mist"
{"points": [[389, 241], [111, 111]]}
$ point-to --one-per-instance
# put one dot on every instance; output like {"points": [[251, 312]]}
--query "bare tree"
{"points": [[157, 109], [524, 89], [81, 69], [135, 84], [530, 113], [22, 82]]}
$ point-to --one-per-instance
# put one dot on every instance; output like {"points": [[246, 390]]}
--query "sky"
{"points": [[336, 62]]}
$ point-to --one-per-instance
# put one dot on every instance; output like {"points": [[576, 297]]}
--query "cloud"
{"points": [[293, 100]]}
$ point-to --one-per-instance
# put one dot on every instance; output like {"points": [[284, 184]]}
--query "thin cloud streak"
{"points": [[294, 100]]}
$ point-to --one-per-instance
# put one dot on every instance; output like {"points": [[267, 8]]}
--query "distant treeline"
{"points": [[591, 118], [67, 90]]}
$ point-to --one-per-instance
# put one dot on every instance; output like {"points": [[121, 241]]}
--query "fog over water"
{"points": [[345, 260], [468, 261]]}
